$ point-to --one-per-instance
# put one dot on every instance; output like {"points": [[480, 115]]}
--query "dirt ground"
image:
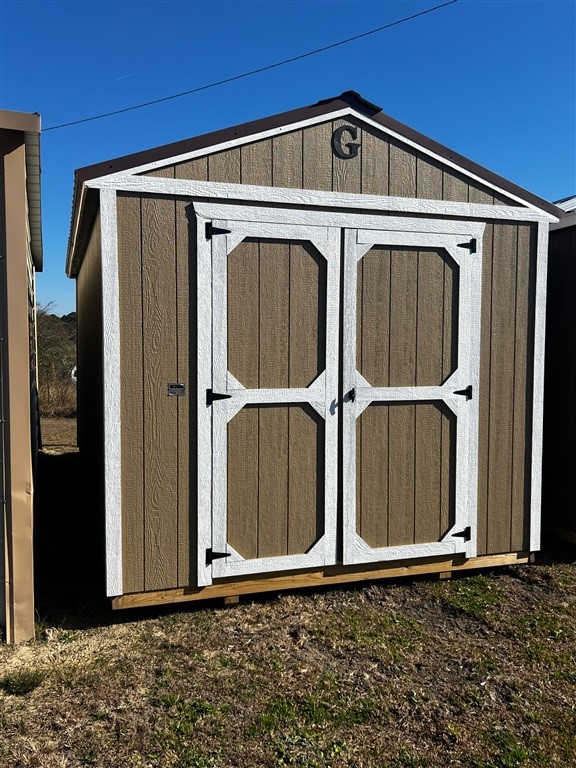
{"points": [[474, 672]]}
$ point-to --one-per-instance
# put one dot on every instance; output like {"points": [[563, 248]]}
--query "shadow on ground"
{"points": [[68, 542]]}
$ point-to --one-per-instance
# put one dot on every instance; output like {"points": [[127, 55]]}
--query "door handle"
{"points": [[352, 395]]}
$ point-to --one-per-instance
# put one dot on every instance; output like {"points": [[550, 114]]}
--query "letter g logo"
{"points": [[348, 150]]}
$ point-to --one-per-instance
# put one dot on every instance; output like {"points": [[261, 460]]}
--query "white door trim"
{"points": [[417, 234], [213, 419]]}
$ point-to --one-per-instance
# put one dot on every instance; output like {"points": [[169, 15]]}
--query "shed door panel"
{"points": [[411, 352], [274, 296]]}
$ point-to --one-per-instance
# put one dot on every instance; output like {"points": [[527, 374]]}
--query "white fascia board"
{"points": [[304, 197], [341, 113]]}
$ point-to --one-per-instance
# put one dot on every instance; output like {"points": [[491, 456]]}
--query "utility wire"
{"points": [[253, 71]]}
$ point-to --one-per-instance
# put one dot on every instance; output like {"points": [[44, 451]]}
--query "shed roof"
{"points": [[29, 124], [348, 100]]}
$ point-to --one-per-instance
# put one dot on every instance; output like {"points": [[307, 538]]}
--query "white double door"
{"points": [[338, 363]]}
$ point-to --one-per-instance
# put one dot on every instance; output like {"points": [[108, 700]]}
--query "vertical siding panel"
{"points": [[502, 387], [401, 455], [375, 160], [274, 319], [163, 173], [524, 298], [225, 167], [193, 169], [403, 309], [242, 502], [184, 302], [373, 322], [402, 171], [401, 448], [256, 163], [305, 475], [484, 387], [287, 160], [372, 475], [307, 331], [429, 365], [243, 313], [455, 188], [347, 173], [428, 179], [273, 481], [132, 450], [478, 194], [160, 411], [317, 157]]}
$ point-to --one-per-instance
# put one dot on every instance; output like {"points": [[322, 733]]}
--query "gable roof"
{"points": [[349, 100]]}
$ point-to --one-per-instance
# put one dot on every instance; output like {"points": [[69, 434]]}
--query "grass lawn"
{"points": [[478, 671]]}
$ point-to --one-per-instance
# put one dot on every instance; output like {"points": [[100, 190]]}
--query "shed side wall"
{"points": [[559, 494], [16, 253], [90, 373]]}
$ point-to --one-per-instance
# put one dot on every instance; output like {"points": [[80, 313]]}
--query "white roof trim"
{"points": [[347, 112]]}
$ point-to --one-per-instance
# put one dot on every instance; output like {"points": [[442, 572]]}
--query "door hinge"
{"points": [[466, 534], [211, 555], [467, 393], [352, 395], [212, 230], [472, 245], [211, 396]]}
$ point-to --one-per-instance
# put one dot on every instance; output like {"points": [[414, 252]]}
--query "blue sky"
{"points": [[495, 81]]}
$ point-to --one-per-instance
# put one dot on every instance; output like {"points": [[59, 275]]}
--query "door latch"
{"points": [[467, 393], [352, 395]]}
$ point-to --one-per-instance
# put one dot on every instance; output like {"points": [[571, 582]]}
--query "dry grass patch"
{"points": [[477, 672]]}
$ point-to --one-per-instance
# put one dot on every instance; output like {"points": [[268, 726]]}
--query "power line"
{"points": [[253, 71]]}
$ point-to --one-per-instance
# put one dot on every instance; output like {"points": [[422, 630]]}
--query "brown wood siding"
{"points": [[276, 314], [153, 253], [405, 317], [508, 295], [405, 459], [275, 480], [558, 492], [304, 159]]}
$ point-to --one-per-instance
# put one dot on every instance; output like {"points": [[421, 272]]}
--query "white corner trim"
{"points": [[112, 426], [341, 113], [303, 197], [538, 388]]}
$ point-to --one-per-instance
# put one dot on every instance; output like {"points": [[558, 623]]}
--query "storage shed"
{"points": [[559, 496], [311, 351], [20, 258]]}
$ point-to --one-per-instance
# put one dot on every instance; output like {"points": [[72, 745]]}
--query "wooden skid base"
{"points": [[231, 588]]}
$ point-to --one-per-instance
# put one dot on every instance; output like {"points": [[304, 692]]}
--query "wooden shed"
{"points": [[20, 258], [559, 494], [310, 351]]}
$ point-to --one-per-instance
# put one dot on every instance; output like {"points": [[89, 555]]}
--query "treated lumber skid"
{"points": [[323, 577]]}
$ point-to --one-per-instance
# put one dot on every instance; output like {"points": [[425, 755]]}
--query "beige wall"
{"points": [[15, 268]]}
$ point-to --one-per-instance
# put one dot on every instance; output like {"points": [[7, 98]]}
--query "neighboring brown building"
{"points": [[559, 497], [315, 346], [20, 258]]}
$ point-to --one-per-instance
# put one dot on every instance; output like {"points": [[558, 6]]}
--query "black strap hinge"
{"points": [[472, 245], [212, 230], [466, 534], [467, 393], [211, 396], [211, 555]]}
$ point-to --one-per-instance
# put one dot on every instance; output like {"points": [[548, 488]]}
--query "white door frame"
{"points": [[213, 375], [324, 230], [456, 238]]}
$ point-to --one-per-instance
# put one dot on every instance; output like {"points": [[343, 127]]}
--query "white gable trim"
{"points": [[303, 197], [348, 112]]}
